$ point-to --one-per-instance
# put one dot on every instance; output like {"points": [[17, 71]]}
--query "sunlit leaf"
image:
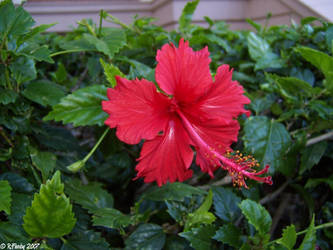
{"points": [[257, 215], [288, 237], [200, 238], [82, 107], [50, 214]]}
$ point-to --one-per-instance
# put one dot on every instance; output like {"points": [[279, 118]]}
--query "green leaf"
{"points": [[58, 138], [82, 107], [50, 214], [7, 96], [255, 25], [317, 58], [201, 215], [288, 237], [311, 155], [85, 240], [114, 38], [293, 88], [200, 238], [110, 71], [324, 110], [17, 182], [5, 197], [45, 162], [176, 191], [256, 215], [20, 202], [5, 154], [309, 241], [261, 104], [267, 139], [226, 204], [311, 183], [61, 73], [110, 217], [229, 234], [177, 210], [23, 69], [40, 54], [100, 45], [10, 233], [14, 21], [44, 92], [139, 70], [261, 52], [111, 40], [186, 16], [91, 196], [320, 60], [146, 236], [329, 36], [33, 32]]}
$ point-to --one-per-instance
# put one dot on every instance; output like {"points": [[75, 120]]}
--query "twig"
{"points": [[279, 212], [225, 181], [319, 138], [273, 195], [82, 76]]}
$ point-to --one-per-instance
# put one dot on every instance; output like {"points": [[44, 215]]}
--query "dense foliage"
{"points": [[66, 180]]}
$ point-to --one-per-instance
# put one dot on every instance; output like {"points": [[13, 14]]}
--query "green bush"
{"points": [[66, 180]]}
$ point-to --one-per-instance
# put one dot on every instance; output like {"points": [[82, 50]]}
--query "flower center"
{"points": [[239, 167], [173, 108]]}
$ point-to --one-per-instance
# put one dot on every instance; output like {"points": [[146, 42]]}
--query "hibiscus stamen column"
{"points": [[239, 167]]}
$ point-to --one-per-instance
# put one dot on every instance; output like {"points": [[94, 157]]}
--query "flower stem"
{"points": [[96, 145], [76, 166]]}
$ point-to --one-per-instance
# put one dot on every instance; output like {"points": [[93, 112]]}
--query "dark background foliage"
{"points": [[51, 87]]}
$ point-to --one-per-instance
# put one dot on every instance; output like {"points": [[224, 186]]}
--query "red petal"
{"points": [[219, 137], [167, 157], [225, 99], [136, 109], [182, 72]]}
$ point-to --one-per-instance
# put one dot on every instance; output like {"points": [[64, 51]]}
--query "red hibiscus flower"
{"points": [[191, 111]]}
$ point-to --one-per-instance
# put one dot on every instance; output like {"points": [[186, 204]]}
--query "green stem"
{"points": [[65, 52], [117, 21], [96, 146], [76, 166], [100, 23], [9, 84], [328, 224]]}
